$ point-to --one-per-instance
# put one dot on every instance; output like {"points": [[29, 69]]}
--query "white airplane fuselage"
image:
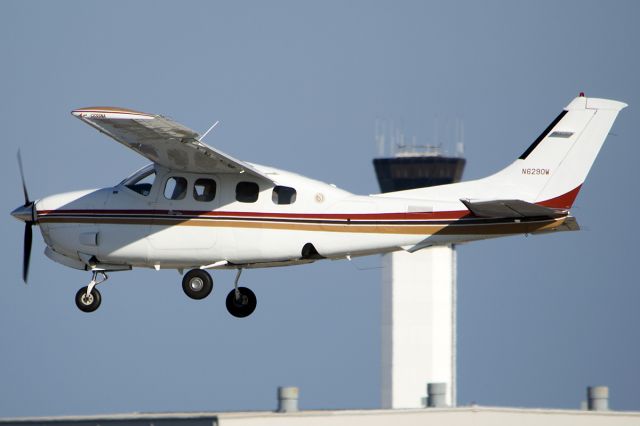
{"points": [[119, 228]]}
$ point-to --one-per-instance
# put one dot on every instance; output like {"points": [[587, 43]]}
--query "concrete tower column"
{"points": [[418, 295], [418, 325]]}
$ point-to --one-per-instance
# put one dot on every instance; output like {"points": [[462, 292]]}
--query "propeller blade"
{"points": [[28, 237], [24, 185]]}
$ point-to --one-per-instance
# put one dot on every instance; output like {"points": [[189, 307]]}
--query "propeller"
{"points": [[26, 255], [24, 185], [26, 214]]}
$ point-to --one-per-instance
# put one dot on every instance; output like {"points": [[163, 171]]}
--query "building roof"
{"points": [[472, 415]]}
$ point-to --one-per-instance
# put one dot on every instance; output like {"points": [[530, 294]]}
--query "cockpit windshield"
{"points": [[141, 181]]}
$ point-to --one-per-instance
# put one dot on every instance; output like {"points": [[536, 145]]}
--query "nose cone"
{"points": [[24, 213]]}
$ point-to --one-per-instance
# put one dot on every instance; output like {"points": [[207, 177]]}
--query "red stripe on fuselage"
{"points": [[564, 201], [324, 216]]}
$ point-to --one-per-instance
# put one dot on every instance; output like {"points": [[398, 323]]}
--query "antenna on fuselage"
{"points": [[208, 130]]}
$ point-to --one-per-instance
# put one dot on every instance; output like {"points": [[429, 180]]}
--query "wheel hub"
{"points": [[196, 284], [87, 300], [241, 300]]}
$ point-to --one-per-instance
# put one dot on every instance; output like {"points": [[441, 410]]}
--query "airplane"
{"points": [[196, 208]]}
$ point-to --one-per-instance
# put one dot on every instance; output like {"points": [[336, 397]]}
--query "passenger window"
{"points": [[143, 184], [175, 188], [204, 190], [283, 195], [247, 192]]}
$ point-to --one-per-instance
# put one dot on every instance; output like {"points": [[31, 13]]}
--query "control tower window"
{"points": [[283, 195], [247, 192], [175, 188]]}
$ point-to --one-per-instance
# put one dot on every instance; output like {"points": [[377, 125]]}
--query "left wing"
{"points": [[163, 141]]}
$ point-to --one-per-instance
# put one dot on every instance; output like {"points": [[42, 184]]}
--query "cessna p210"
{"points": [[195, 208]]}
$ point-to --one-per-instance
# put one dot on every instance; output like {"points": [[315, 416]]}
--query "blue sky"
{"points": [[299, 85]]}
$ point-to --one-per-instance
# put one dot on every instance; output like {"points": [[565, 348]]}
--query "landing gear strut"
{"points": [[241, 302], [88, 298], [197, 284]]}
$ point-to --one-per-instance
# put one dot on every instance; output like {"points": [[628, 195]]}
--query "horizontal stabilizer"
{"points": [[569, 224], [510, 209]]}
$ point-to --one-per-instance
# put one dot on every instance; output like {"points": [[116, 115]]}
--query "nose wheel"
{"points": [[88, 302], [88, 298]]}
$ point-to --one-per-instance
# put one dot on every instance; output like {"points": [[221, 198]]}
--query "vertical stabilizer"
{"points": [[552, 170]]}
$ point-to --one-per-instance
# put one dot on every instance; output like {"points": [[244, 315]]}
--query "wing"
{"points": [[510, 209], [163, 141]]}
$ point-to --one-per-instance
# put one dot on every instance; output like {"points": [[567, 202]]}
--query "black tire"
{"points": [[244, 306], [197, 284], [88, 304]]}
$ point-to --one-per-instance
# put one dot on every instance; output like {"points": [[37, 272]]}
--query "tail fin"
{"points": [[552, 170]]}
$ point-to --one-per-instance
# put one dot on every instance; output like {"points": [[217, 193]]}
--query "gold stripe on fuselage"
{"points": [[455, 228]]}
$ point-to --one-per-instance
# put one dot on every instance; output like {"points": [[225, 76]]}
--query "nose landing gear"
{"points": [[88, 298]]}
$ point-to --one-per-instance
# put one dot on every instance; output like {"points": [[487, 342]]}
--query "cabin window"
{"points": [[143, 184], [175, 188], [204, 190], [283, 195], [247, 192]]}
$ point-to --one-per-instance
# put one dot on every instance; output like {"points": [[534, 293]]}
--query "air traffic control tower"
{"points": [[418, 292]]}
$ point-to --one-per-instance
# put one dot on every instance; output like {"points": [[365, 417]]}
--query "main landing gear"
{"points": [[88, 298], [197, 284], [241, 301]]}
